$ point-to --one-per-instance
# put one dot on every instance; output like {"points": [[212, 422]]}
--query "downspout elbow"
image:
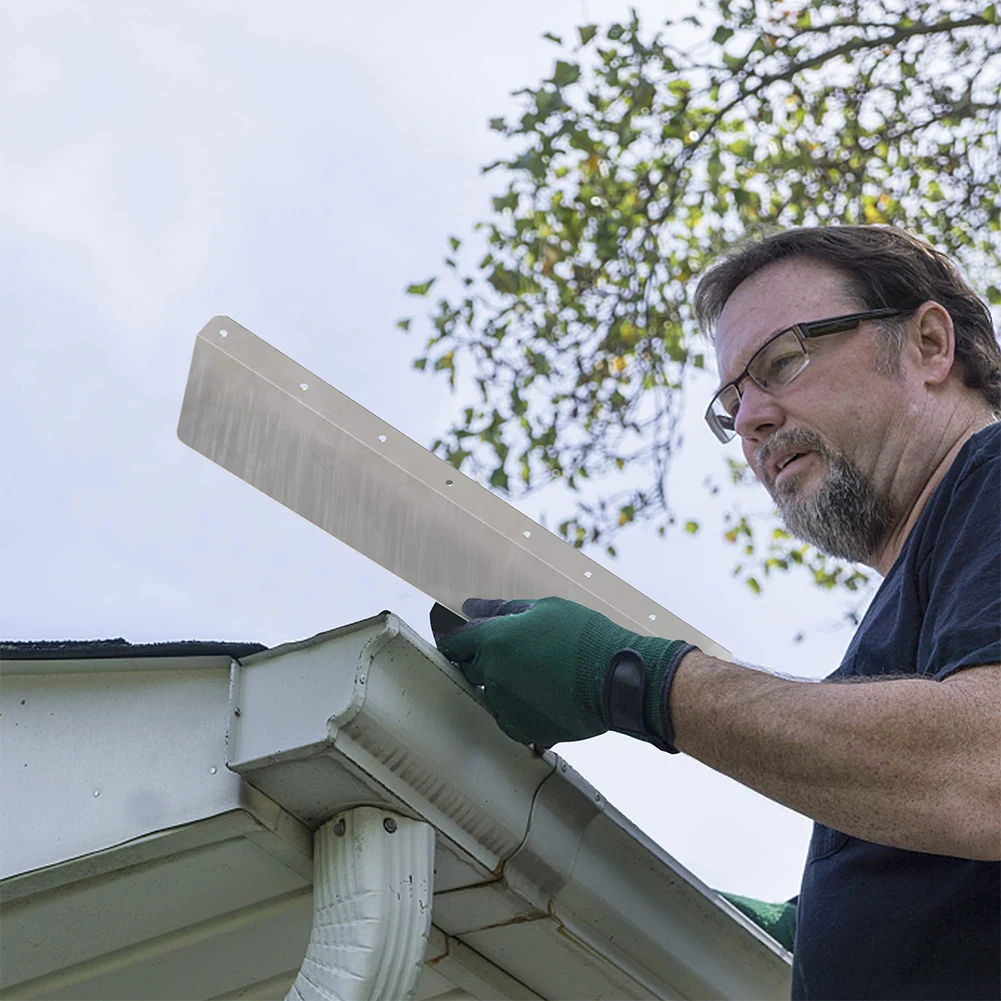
{"points": [[373, 873]]}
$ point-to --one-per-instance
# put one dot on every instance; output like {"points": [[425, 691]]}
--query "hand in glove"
{"points": [[555, 670]]}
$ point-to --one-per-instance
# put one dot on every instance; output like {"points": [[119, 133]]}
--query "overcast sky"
{"points": [[295, 166]]}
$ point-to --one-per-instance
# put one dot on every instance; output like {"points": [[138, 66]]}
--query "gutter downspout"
{"points": [[373, 872]]}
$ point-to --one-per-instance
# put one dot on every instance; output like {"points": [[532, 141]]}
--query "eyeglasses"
{"points": [[778, 361]]}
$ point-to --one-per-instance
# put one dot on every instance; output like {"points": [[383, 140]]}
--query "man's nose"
{"points": [[759, 414]]}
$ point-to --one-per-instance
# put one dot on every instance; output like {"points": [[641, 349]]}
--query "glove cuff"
{"points": [[638, 688]]}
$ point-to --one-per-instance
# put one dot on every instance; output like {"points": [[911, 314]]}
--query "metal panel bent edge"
{"points": [[280, 428]]}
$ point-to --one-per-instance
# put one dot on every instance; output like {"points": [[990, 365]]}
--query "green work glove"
{"points": [[554, 670], [778, 920]]}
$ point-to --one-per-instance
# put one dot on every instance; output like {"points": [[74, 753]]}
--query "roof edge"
{"points": [[109, 649]]}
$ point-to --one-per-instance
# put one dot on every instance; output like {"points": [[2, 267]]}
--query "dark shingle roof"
{"points": [[93, 649]]}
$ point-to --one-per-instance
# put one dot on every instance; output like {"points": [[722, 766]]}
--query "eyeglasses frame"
{"points": [[802, 331]]}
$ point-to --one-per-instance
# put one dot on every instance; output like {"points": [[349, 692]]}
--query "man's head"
{"points": [[868, 395]]}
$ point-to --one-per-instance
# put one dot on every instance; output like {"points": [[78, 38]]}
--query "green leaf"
{"points": [[722, 35], [499, 479], [549, 36], [753, 584], [692, 527], [422, 288], [586, 32], [505, 280], [565, 73], [742, 148], [508, 201], [404, 324], [643, 94], [627, 513]]}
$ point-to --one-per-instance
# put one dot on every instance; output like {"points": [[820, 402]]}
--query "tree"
{"points": [[634, 164]]}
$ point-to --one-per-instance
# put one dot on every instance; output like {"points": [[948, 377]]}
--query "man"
{"points": [[863, 378]]}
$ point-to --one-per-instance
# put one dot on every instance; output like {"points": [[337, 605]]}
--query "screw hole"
{"points": [[224, 333], [527, 534], [587, 573], [448, 483], [382, 437], [304, 386]]}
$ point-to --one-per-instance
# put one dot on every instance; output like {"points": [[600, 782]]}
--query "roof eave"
{"points": [[378, 699]]}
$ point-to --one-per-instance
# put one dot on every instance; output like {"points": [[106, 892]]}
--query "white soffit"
{"points": [[219, 908], [279, 427]]}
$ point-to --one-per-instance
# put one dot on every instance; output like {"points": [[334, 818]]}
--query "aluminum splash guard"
{"points": [[280, 428]]}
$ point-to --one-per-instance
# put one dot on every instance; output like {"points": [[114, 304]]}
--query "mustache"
{"points": [[800, 439]]}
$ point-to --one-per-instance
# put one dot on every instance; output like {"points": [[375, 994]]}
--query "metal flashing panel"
{"points": [[279, 427]]}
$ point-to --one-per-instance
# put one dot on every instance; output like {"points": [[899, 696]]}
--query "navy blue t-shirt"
{"points": [[879, 922]]}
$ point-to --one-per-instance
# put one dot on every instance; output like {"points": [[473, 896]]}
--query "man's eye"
{"points": [[779, 364]]}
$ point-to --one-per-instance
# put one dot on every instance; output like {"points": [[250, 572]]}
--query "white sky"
{"points": [[294, 166]]}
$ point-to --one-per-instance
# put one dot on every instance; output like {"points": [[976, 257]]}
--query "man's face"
{"points": [[840, 412]]}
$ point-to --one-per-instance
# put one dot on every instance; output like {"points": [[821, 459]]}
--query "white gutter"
{"points": [[372, 715]]}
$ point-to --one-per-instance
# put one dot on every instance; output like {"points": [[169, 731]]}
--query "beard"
{"points": [[846, 516]]}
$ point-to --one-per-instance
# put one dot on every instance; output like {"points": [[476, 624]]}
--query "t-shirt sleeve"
{"points": [[962, 625]]}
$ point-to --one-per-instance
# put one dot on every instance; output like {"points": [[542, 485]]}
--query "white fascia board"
{"points": [[97, 665], [375, 701], [123, 747]]}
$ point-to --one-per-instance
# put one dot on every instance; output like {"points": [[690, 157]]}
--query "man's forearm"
{"points": [[887, 761]]}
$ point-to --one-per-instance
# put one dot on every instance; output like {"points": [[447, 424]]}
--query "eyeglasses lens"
{"points": [[776, 364], [779, 362]]}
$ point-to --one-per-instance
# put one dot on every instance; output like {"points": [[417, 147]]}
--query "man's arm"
{"points": [[910, 763]]}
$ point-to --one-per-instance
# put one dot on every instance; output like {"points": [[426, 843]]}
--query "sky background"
{"points": [[295, 166]]}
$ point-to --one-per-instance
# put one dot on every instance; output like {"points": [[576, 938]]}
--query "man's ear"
{"points": [[931, 342]]}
